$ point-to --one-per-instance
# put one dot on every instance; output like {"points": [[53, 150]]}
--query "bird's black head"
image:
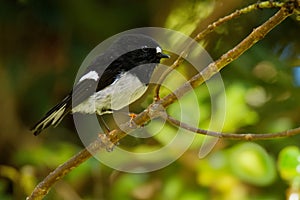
{"points": [[138, 49], [139, 54], [146, 54]]}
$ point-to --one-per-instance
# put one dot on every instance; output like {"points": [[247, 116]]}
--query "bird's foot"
{"points": [[132, 124]]}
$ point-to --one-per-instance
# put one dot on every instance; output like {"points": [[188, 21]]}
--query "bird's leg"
{"points": [[132, 124], [105, 137], [156, 98], [104, 124], [131, 115]]}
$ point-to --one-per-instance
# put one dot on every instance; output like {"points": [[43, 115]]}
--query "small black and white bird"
{"points": [[115, 79]]}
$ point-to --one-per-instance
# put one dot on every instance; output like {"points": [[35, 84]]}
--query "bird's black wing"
{"points": [[107, 70]]}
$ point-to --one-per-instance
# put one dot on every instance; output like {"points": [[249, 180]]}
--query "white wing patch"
{"points": [[90, 75]]}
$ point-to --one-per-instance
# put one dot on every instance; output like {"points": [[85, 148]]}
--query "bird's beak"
{"points": [[162, 55]]}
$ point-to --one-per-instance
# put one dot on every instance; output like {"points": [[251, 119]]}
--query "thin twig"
{"points": [[234, 136]]}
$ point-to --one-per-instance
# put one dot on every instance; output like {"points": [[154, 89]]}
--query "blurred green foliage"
{"points": [[42, 44]]}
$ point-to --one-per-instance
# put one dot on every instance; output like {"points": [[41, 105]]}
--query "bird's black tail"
{"points": [[53, 117]]}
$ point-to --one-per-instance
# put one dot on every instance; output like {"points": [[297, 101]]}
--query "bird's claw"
{"points": [[132, 124]]}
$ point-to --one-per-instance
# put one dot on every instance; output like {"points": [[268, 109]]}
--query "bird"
{"points": [[114, 79]]}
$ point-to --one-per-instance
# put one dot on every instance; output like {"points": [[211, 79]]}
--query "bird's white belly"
{"points": [[122, 92]]}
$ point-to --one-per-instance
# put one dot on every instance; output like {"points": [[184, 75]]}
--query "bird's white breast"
{"points": [[122, 92]]}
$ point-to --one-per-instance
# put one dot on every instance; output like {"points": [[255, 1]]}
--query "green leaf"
{"points": [[251, 163], [288, 163]]}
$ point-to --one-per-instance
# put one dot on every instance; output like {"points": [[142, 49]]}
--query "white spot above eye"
{"points": [[158, 50], [90, 75]]}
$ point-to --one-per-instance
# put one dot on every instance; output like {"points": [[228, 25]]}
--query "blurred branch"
{"points": [[210, 28], [234, 136], [157, 109]]}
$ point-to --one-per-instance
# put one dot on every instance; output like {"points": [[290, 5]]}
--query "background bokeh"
{"points": [[42, 45]]}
